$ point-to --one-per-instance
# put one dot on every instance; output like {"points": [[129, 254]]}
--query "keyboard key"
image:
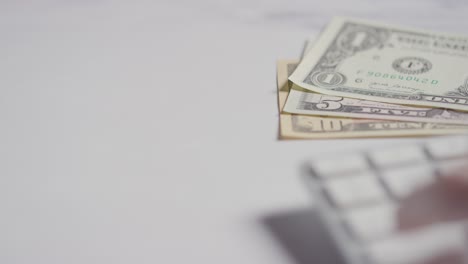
{"points": [[362, 189], [398, 156], [373, 222], [340, 165], [448, 148], [417, 247], [449, 166], [402, 181], [355, 190]]}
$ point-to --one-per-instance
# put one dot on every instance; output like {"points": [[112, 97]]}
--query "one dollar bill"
{"points": [[302, 101], [377, 62], [293, 126]]}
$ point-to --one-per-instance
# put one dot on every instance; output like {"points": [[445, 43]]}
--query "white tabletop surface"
{"points": [[146, 131]]}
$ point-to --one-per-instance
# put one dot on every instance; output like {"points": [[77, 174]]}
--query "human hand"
{"points": [[445, 200]]}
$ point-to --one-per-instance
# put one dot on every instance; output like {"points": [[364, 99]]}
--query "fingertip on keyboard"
{"points": [[364, 190]]}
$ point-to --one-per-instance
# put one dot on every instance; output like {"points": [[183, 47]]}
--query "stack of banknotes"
{"points": [[368, 79]]}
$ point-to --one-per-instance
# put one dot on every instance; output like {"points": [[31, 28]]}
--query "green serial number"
{"points": [[402, 77]]}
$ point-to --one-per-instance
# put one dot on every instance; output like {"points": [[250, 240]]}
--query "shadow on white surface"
{"points": [[313, 15], [303, 236]]}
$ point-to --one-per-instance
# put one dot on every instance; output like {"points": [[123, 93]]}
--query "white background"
{"points": [[146, 131]]}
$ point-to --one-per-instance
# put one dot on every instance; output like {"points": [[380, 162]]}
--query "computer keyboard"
{"points": [[358, 195]]}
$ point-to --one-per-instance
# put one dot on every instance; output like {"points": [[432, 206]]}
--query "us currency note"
{"points": [[391, 64], [302, 101], [293, 126]]}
